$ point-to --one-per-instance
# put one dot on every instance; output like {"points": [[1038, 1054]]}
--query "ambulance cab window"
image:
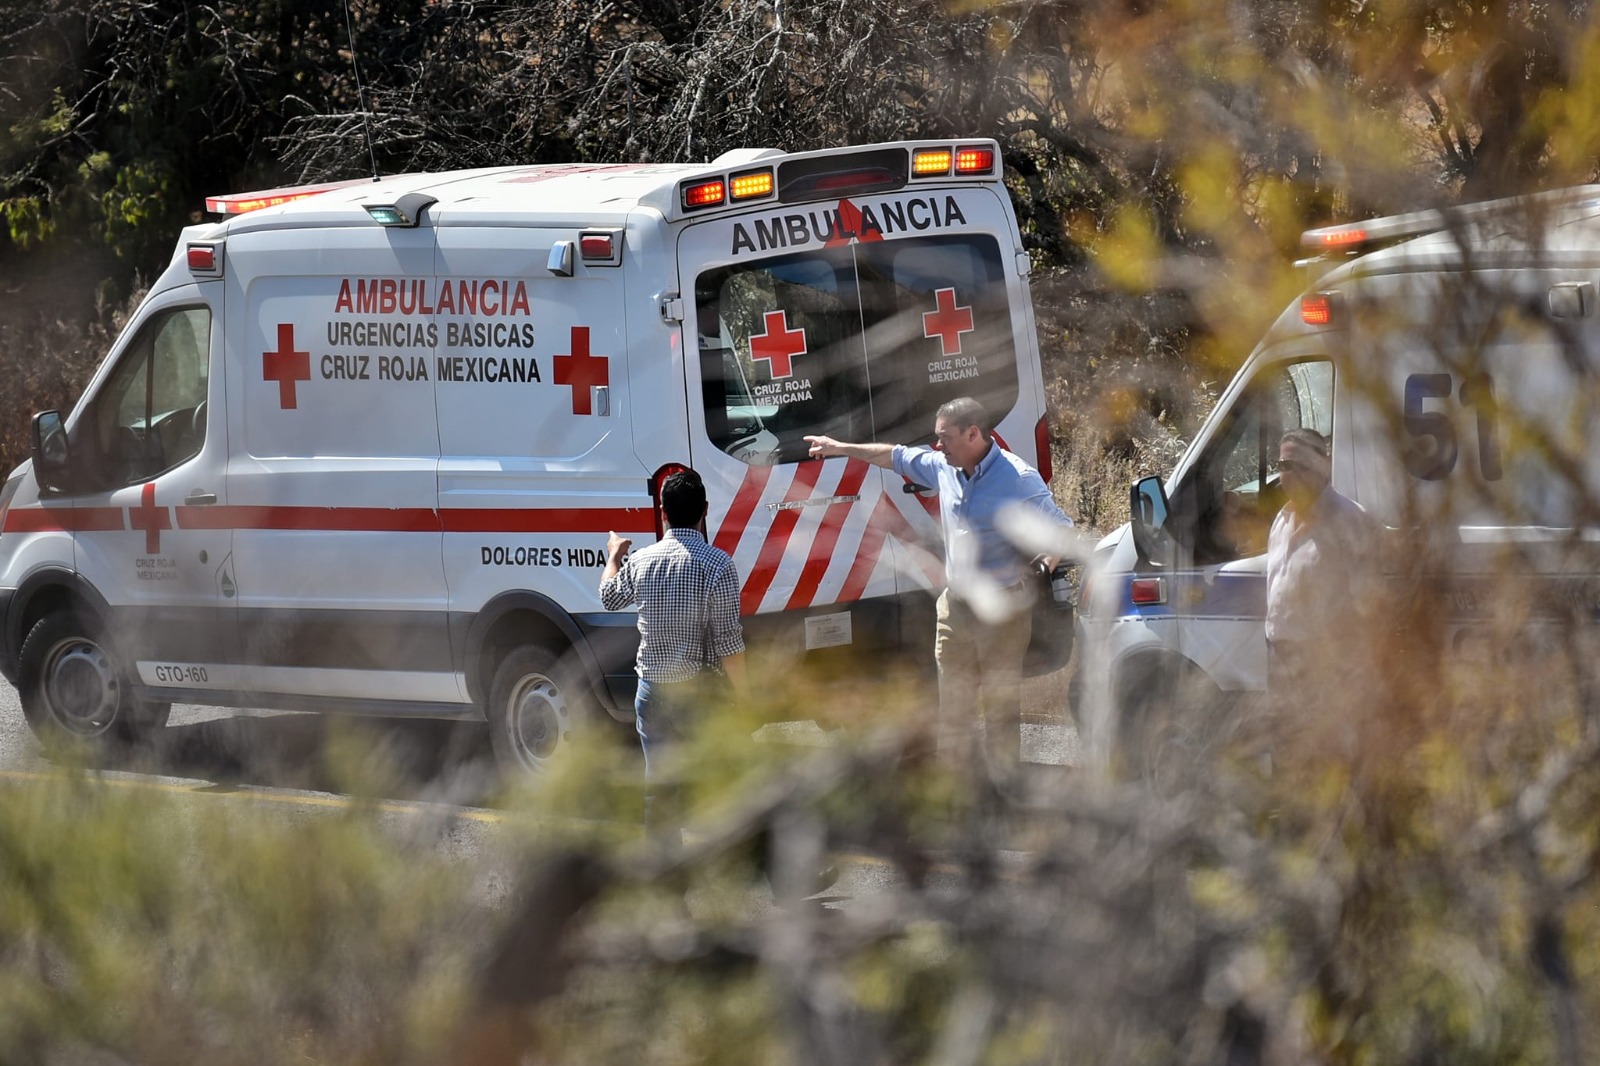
{"points": [[150, 416], [859, 342], [1232, 493]]}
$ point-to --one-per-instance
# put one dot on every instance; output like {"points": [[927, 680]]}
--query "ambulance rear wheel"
{"points": [[535, 705], [75, 689]]}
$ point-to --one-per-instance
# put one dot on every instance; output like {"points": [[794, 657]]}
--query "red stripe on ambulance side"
{"points": [[547, 520], [805, 590], [777, 542], [312, 519], [419, 519], [743, 506], [64, 520]]}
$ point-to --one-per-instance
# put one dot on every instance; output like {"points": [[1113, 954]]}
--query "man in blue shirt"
{"points": [[983, 614]]}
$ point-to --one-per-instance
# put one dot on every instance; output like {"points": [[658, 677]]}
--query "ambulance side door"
{"points": [[150, 489], [536, 416], [333, 472]]}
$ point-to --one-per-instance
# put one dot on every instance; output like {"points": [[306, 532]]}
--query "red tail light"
{"points": [[656, 481], [1147, 591], [1041, 442]]}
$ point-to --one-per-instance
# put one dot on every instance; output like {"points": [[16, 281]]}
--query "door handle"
{"points": [[200, 496]]}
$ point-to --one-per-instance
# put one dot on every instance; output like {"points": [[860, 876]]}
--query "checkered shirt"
{"points": [[688, 597]]}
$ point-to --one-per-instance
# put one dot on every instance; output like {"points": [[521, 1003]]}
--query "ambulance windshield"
{"points": [[861, 342]]}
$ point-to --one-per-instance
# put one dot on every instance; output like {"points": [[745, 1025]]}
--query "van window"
{"points": [[862, 342], [1232, 493], [150, 415]]}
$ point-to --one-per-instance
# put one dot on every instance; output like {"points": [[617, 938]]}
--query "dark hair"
{"points": [[964, 411], [1308, 438], [683, 499]]}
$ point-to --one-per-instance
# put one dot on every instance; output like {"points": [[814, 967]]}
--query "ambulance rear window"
{"points": [[862, 342]]}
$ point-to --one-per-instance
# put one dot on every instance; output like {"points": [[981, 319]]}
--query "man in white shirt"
{"points": [[1322, 568]]}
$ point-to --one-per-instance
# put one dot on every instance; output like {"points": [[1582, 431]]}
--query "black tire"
{"points": [[75, 690], [1171, 722], [537, 704]]}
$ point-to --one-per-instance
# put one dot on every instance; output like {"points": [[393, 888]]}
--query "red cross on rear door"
{"points": [[778, 345], [947, 321]]}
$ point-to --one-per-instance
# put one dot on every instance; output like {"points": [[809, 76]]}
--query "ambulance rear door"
{"points": [[857, 319]]}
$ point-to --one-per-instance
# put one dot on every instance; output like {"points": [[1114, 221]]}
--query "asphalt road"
{"points": [[440, 771]]}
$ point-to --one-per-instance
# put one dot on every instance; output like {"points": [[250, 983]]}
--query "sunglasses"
{"points": [[1285, 466]]}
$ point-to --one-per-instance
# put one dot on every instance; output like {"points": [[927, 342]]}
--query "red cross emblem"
{"points": [[849, 227], [948, 323], [582, 371], [150, 518], [778, 345], [286, 366]]}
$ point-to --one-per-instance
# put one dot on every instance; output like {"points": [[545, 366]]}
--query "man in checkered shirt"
{"points": [[688, 597]]}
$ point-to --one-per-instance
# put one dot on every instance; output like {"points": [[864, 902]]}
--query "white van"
{"points": [[361, 446], [1453, 358]]}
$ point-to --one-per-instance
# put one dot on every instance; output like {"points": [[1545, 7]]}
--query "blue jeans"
{"points": [[661, 712]]}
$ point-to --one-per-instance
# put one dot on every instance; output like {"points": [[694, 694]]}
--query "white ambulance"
{"points": [[1453, 356], [361, 446]]}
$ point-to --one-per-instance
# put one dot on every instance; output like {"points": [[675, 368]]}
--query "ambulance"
{"points": [[361, 446], [1453, 356]]}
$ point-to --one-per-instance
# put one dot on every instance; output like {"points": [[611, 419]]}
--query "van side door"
{"points": [[149, 489], [333, 470], [1222, 503]]}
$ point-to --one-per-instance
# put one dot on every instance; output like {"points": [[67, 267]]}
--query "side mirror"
{"points": [[1147, 510], [52, 452]]}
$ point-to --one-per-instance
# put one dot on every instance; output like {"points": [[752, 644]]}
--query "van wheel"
{"points": [[74, 687], [535, 705], [1171, 724]]}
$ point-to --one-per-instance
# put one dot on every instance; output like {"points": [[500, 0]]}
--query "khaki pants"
{"points": [[980, 680]]}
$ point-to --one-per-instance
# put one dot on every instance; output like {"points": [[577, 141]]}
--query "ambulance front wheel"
{"points": [[535, 705], [74, 687]]}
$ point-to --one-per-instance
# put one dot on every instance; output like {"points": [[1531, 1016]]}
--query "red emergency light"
{"points": [[1317, 308], [1041, 444], [974, 160], [242, 202], [704, 194], [202, 258], [1342, 237]]}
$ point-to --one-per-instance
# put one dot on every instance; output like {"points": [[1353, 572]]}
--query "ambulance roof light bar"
{"points": [[240, 203], [1359, 236], [405, 211]]}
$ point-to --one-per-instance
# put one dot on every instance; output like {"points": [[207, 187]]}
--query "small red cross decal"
{"points": [[778, 345], [286, 366], [948, 323], [150, 518], [582, 371]]}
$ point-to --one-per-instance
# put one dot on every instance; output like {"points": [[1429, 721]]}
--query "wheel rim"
{"points": [[81, 687], [538, 718]]}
